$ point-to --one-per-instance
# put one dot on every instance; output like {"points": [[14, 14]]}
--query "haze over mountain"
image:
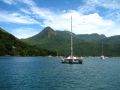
{"points": [[84, 44]]}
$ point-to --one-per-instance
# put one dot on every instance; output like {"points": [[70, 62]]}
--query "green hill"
{"points": [[112, 40], [84, 44], [92, 37], [10, 45]]}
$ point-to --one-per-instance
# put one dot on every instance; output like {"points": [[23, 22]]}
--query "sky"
{"points": [[25, 18]]}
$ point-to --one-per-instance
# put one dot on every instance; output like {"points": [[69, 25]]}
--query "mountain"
{"points": [[92, 37], [46, 34], [83, 44], [113, 40], [10, 45]]}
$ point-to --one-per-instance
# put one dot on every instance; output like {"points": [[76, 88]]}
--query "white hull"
{"points": [[73, 60], [102, 57]]}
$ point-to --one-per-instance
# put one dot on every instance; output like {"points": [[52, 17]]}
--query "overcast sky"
{"points": [[24, 18]]}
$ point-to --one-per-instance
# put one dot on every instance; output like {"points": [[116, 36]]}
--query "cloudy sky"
{"points": [[24, 18]]}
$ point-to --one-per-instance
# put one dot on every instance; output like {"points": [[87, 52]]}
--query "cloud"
{"points": [[28, 2], [25, 11], [24, 32], [37, 11], [86, 18], [111, 7], [82, 23], [16, 18], [109, 4], [9, 1]]}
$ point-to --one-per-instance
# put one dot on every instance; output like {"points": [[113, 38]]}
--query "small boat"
{"points": [[72, 59], [102, 57], [49, 56]]}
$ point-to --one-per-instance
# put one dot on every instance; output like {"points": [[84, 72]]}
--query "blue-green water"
{"points": [[43, 73]]}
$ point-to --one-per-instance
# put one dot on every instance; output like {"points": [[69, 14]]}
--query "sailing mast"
{"points": [[71, 59], [102, 49], [102, 57], [71, 39]]}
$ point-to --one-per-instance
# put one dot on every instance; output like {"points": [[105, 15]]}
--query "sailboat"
{"points": [[72, 59], [102, 56]]}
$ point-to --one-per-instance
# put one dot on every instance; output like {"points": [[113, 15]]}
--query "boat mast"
{"points": [[71, 39], [102, 49]]}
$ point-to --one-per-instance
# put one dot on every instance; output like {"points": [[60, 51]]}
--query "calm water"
{"points": [[43, 73]]}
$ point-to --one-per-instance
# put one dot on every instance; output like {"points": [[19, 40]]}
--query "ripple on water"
{"points": [[43, 73]]}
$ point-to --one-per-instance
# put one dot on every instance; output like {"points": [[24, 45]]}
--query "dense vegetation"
{"points": [[85, 45], [10, 45]]}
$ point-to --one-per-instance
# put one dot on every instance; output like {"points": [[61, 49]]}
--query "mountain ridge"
{"points": [[83, 44]]}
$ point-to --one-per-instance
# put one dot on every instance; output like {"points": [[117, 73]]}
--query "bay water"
{"points": [[48, 73]]}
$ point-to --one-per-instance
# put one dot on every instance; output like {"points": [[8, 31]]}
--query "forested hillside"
{"points": [[10, 45], [83, 44]]}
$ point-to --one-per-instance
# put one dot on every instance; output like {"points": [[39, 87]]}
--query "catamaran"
{"points": [[72, 59]]}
